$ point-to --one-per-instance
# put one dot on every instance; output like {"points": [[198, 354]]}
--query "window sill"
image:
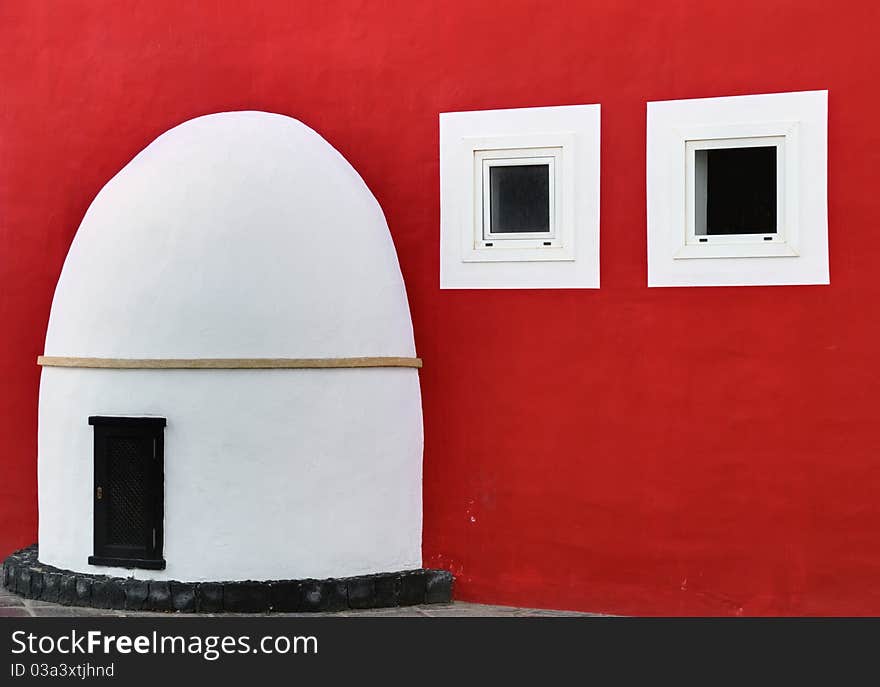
{"points": [[741, 250]]}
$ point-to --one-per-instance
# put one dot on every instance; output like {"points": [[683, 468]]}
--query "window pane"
{"points": [[740, 190], [519, 198]]}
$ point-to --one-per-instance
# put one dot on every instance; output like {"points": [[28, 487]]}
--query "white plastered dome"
{"points": [[239, 235], [242, 234]]}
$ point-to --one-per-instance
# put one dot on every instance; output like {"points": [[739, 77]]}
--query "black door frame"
{"points": [[149, 555]]}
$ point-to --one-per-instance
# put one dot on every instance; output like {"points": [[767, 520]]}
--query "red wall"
{"points": [[674, 451]]}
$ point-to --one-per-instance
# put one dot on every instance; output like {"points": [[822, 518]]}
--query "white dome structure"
{"points": [[236, 284]]}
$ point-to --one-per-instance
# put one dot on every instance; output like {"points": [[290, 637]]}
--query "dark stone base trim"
{"points": [[24, 575]]}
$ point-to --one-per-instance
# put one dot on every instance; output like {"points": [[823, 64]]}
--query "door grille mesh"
{"points": [[127, 494]]}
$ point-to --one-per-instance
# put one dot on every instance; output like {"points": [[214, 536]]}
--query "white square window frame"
{"points": [[797, 124], [567, 134], [510, 247], [782, 136], [488, 159], [780, 242]]}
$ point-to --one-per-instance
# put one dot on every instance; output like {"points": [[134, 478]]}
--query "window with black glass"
{"points": [[128, 492], [519, 199], [736, 192], [740, 190]]}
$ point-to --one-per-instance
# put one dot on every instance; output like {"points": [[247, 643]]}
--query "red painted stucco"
{"points": [[674, 451]]}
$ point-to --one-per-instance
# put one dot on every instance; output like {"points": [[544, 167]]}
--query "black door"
{"points": [[128, 491]]}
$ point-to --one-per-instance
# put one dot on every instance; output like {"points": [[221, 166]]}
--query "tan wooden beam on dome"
{"points": [[226, 363]]}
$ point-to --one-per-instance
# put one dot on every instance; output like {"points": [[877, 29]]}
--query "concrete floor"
{"points": [[14, 606]]}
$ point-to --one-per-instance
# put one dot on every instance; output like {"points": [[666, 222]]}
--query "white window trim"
{"points": [[506, 247], [799, 253], [488, 159], [697, 180], [466, 140], [784, 243]]}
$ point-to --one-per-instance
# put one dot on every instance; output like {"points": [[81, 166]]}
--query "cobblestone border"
{"points": [[24, 575]]}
